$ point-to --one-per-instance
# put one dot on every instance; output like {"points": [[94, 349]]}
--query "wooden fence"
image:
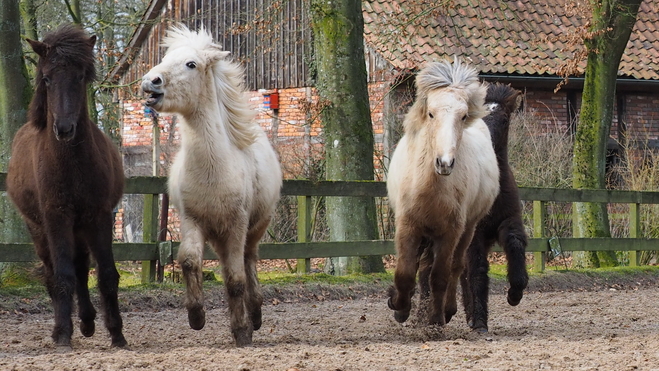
{"points": [[151, 251]]}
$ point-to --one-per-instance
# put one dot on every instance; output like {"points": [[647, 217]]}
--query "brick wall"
{"points": [[642, 116]]}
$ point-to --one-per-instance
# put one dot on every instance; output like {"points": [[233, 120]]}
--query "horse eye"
{"points": [[464, 118], [191, 65], [430, 115], [46, 80]]}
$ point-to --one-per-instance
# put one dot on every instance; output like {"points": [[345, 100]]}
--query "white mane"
{"points": [[229, 82], [437, 75]]}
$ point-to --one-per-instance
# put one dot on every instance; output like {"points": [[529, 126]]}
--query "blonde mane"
{"points": [[460, 77], [229, 83]]}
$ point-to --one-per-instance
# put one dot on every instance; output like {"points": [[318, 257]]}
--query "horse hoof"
{"points": [[514, 298], [196, 318], [87, 328], [449, 314], [256, 319], [390, 304], [479, 326], [480, 330], [401, 316], [62, 343], [243, 337], [63, 348], [438, 319], [120, 342]]}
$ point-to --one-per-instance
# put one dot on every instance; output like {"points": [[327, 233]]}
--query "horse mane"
{"points": [[502, 97], [458, 76], [501, 102], [66, 47], [228, 78]]}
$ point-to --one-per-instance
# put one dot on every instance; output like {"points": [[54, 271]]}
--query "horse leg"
{"points": [[467, 300], [254, 296], [108, 277], [457, 266], [478, 283], [408, 241], [43, 251], [232, 255], [61, 284], [513, 239], [440, 277], [190, 257], [425, 265], [86, 311], [473, 252]]}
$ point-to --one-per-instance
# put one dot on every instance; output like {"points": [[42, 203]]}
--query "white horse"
{"points": [[226, 178], [443, 178]]}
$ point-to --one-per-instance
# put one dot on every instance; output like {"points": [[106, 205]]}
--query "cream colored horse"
{"points": [[226, 178], [443, 178]]}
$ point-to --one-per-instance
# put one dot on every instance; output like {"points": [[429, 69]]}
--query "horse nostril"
{"points": [[157, 81], [452, 163], [438, 163]]}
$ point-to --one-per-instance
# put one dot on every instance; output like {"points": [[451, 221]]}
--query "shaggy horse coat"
{"points": [[443, 178], [65, 176], [504, 222], [225, 180]]}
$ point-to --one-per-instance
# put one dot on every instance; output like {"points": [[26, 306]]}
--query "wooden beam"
{"points": [[135, 43]]}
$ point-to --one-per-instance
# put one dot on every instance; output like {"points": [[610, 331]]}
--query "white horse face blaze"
{"points": [[446, 116], [174, 84]]}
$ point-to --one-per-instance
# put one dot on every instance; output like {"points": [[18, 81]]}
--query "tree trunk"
{"points": [[15, 94], [29, 15], [611, 26], [338, 28], [73, 6]]}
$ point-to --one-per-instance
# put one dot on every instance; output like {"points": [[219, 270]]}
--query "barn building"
{"points": [[523, 43]]}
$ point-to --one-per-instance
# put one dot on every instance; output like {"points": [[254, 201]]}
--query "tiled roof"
{"points": [[522, 37]]}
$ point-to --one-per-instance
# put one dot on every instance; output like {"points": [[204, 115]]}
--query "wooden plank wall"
{"points": [[271, 38]]}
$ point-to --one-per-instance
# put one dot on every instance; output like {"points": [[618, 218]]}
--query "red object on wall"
{"points": [[271, 100]]}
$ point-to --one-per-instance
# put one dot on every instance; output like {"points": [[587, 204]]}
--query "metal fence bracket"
{"points": [[165, 253]]}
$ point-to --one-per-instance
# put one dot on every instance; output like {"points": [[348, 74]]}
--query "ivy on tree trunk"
{"points": [[15, 95], [611, 26], [338, 28]]}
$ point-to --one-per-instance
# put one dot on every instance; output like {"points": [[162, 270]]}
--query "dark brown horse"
{"points": [[65, 176], [504, 222]]}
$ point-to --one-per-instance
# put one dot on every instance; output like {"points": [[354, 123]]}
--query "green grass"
{"points": [[282, 278], [131, 280], [611, 271]]}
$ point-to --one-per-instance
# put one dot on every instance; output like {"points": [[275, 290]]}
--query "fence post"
{"points": [[149, 234], [634, 232], [303, 229], [539, 218]]}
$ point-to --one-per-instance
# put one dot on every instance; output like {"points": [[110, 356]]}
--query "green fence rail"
{"points": [[152, 251]]}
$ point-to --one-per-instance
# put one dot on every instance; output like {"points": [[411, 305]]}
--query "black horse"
{"points": [[65, 176], [503, 224]]}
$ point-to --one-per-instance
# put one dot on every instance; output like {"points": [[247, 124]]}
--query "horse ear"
{"points": [[519, 99], [92, 41], [40, 48], [217, 53]]}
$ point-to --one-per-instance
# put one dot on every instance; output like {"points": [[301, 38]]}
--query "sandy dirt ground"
{"points": [[606, 328]]}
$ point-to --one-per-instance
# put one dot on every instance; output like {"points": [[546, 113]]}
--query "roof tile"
{"points": [[518, 37]]}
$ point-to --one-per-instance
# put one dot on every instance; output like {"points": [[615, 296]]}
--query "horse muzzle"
{"points": [[64, 132], [155, 92], [443, 167]]}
